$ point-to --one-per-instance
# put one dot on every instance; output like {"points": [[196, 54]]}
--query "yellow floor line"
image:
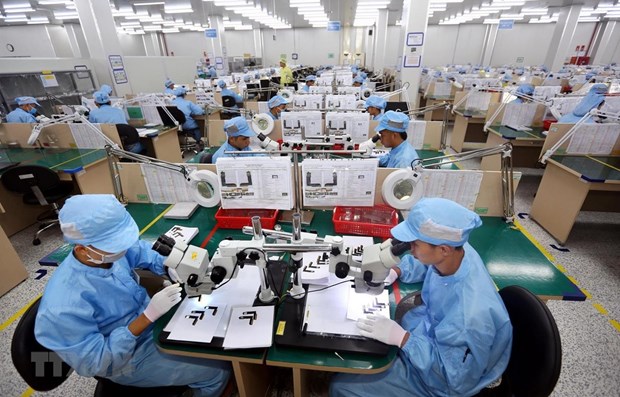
{"points": [[154, 221], [600, 308], [17, 314], [28, 392], [550, 257]]}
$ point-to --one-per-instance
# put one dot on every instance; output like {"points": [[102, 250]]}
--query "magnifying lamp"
{"points": [[402, 189], [205, 187], [365, 93], [263, 124], [286, 94]]}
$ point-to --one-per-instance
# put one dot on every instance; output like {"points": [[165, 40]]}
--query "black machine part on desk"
{"points": [[291, 312]]}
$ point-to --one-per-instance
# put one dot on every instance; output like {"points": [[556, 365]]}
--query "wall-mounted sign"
{"points": [[116, 62], [333, 26], [415, 38], [211, 33], [412, 61], [506, 23]]}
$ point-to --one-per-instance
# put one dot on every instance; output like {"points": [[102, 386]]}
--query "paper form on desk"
{"points": [[415, 133], [315, 268], [151, 115], [255, 182], [333, 321], [594, 139], [143, 132], [519, 114], [239, 291], [442, 89], [85, 137], [198, 322], [461, 186], [250, 327], [166, 186], [344, 182], [361, 305], [478, 101]]}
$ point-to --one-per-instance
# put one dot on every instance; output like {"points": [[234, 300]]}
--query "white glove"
{"points": [[163, 301], [391, 277], [382, 329]]}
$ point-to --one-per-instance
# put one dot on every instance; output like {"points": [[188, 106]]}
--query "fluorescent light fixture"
{"points": [[19, 10], [53, 2], [130, 23], [244, 27], [16, 5], [150, 3]]}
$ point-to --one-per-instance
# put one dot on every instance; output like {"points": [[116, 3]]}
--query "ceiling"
{"points": [[179, 15]]}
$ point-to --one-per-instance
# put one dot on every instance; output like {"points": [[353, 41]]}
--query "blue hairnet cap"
{"points": [[272, 70], [589, 76], [221, 84], [393, 121], [526, 89], [247, 78], [257, 75], [599, 88], [26, 100], [354, 69], [168, 83], [310, 77], [99, 220], [179, 91], [101, 97], [506, 77], [276, 101], [375, 101], [437, 221], [358, 79], [106, 88], [364, 75], [238, 126]]}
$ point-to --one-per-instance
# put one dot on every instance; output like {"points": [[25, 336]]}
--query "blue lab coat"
{"points": [[189, 109], [229, 92], [228, 147], [169, 91], [19, 115], [460, 337], [84, 316], [108, 115], [305, 88], [399, 157]]}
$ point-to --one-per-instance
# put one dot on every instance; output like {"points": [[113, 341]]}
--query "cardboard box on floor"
{"points": [[11, 266]]}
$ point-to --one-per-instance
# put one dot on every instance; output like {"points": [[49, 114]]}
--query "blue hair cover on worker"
{"points": [[358, 79], [106, 88], [101, 97], [179, 91], [525, 89], [110, 228], [393, 121], [437, 221], [276, 101], [26, 100], [247, 78], [310, 77], [238, 126], [221, 84], [168, 83], [375, 101]]}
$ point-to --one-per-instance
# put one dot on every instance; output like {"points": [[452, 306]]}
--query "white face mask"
{"points": [[109, 258]]}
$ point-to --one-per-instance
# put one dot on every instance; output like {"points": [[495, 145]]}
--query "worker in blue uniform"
{"points": [[189, 109], [392, 128], [95, 315], [105, 113], [276, 105], [24, 112], [238, 134], [169, 84], [458, 341], [375, 105], [310, 81], [524, 89], [228, 92], [595, 98], [106, 88]]}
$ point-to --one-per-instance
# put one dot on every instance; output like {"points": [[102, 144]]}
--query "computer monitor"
{"points": [[397, 106]]}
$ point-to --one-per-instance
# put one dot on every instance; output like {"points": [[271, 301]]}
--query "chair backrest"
{"points": [[228, 101], [128, 134], [174, 111], [206, 158], [536, 357], [40, 367], [26, 178]]}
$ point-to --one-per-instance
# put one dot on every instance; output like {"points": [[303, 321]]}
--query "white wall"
{"points": [[312, 45], [615, 39], [582, 36], [468, 48], [530, 41], [147, 74], [132, 44], [188, 44], [28, 41], [239, 42], [60, 41], [392, 50], [440, 44]]}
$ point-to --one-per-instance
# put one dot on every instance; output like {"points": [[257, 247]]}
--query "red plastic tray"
{"points": [[237, 218], [374, 221]]}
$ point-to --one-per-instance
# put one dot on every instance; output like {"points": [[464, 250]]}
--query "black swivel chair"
{"points": [[228, 102], [44, 370], [129, 136], [536, 357], [179, 116], [39, 186]]}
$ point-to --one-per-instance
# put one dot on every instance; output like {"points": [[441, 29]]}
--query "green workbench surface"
{"points": [[67, 160], [509, 133], [592, 168]]}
